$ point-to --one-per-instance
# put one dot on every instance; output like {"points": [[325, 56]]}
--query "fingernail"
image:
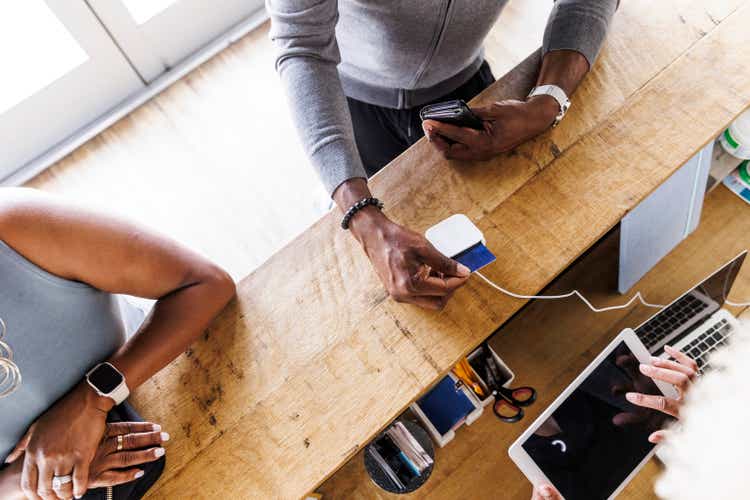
{"points": [[165, 436], [546, 491], [463, 270], [139, 474], [654, 359], [645, 369], [159, 452], [157, 427], [630, 396]]}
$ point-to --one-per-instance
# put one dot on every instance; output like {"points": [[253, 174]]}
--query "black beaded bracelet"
{"points": [[364, 202]]}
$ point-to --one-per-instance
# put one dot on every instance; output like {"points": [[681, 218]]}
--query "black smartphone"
{"points": [[455, 112]]}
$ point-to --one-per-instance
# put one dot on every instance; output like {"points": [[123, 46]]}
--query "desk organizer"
{"points": [[479, 404]]}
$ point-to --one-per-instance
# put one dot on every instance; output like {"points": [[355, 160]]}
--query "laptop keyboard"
{"points": [[669, 320], [713, 338]]}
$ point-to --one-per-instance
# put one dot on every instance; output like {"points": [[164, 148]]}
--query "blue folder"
{"points": [[445, 405]]}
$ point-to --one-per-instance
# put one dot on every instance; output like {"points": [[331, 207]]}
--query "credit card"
{"points": [[476, 257]]}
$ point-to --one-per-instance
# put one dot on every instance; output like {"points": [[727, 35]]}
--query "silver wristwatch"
{"points": [[557, 94]]}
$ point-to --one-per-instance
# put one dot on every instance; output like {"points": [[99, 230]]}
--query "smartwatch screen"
{"points": [[105, 378]]}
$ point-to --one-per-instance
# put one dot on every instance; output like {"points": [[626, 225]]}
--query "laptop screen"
{"points": [[690, 310]]}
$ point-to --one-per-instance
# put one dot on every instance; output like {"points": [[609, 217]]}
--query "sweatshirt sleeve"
{"points": [[579, 25], [304, 34]]}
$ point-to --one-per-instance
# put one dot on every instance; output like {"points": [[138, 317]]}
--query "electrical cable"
{"points": [[576, 293]]}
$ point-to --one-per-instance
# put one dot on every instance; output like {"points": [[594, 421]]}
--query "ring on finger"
{"points": [[119, 442], [58, 481]]}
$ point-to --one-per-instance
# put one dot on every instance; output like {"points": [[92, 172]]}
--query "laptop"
{"points": [[695, 323]]}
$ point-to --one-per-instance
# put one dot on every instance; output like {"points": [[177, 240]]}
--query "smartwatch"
{"points": [[108, 382], [558, 95]]}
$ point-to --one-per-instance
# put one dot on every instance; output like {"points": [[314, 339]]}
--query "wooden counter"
{"points": [[313, 359]]}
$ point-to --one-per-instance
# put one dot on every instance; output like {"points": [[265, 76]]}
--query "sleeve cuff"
{"points": [[337, 161]]}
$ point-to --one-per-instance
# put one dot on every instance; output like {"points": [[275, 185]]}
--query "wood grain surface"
{"points": [[312, 358]]}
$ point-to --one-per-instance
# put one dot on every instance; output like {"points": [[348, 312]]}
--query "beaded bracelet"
{"points": [[364, 202]]}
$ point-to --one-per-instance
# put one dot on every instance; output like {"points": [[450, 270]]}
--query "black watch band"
{"points": [[364, 202]]}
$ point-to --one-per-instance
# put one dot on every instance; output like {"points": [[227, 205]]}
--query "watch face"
{"points": [[105, 378]]}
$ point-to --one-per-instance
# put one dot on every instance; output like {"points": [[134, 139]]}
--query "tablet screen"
{"points": [[595, 438]]}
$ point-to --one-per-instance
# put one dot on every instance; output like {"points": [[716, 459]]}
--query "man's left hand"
{"points": [[506, 125]]}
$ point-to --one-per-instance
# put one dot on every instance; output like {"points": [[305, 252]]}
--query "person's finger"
{"points": [[19, 448], [440, 144], [628, 418], [64, 491], [464, 135], [29, 479], [677, 379], [658, 436], [681, 357], [545, 492], [442, 264], [135, 441], [44, 481], [115, 477], [121, 428], [131, 458], [485, 113], [80, 478], [673, 365], [661, 403], [435, 286]]}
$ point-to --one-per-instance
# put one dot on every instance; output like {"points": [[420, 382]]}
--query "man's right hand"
{"points": [[411, 269]]}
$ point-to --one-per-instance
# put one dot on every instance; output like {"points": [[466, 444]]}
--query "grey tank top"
{"points": [[58, 329]]}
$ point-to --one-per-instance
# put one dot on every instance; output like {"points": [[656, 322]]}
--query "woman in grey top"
{"points": [[59, 268]]}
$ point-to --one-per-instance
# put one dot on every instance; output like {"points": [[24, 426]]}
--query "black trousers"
{"points": [[384, 133]]}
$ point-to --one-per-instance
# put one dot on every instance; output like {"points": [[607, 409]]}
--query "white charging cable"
{"points": [[635, 297]]}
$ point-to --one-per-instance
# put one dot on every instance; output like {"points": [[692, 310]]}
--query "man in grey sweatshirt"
{"points": [[356, 73]]}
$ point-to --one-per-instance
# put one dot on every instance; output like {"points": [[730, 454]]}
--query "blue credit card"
{"points": [[476, 257]]}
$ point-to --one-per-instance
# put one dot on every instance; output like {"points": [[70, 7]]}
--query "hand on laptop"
{"points": [[680, 373], [545, 492]]}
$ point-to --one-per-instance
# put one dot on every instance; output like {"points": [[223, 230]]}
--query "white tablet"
{"points": [[591, 441]]}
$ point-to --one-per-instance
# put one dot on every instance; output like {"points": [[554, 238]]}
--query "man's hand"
{"points": [[411, 269], [510, 123], [506, 125], [62, 441]]}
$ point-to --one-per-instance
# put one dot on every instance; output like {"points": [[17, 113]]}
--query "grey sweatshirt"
{"points": [[394, 53]]}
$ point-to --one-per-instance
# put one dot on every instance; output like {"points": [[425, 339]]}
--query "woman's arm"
{"points": [[115, 256]]}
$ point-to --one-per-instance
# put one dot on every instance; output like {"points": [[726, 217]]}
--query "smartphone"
{"points": [[455, 112]]}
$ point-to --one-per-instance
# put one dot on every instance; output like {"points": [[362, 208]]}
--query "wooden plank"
{"points": [[548, 343], [310, 361]]}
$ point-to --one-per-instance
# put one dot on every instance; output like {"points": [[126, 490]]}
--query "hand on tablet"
{"points": [[680, 373], [545, 492]]}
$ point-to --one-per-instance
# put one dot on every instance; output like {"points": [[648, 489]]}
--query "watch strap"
{"points": [[557, 94]]}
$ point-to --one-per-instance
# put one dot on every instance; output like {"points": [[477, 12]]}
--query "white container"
{"points": [[443, 439], [736, 138]]}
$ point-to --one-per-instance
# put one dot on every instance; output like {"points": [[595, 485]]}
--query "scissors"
{"points": [[509, 402]]}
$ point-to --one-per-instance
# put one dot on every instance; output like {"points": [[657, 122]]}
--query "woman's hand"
{"points": [[63, 441], [680, 373], [546, 492], [141, 443]]}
